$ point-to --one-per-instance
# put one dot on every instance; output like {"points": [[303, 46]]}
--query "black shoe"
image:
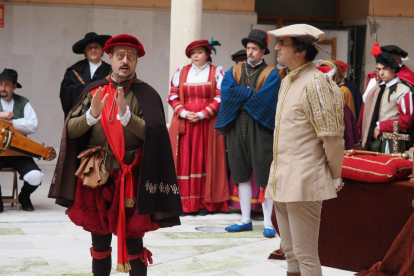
{"points": [[202, 212], [24, 196], [26, 203]]}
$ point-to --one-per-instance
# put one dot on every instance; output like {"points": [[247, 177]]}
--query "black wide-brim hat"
{"points": [[79, 47], [10, 74], [257, 36], [387, 60], [392, 49]]}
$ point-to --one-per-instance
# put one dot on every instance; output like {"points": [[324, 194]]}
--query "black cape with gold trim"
{"points": [[157, 168]]}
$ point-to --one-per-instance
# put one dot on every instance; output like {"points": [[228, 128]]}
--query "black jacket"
{"points": [[71, 87]]}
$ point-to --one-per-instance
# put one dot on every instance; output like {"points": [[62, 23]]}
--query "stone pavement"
{"points": [[46, 242]]}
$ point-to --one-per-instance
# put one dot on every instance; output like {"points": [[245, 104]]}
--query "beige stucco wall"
{"points": [[37, 41]]}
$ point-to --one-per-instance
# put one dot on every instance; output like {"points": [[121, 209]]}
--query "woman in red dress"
{"points": [[198, 150]]}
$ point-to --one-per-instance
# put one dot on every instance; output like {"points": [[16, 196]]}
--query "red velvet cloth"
{"points": [[399, 260], [360, 225], [97, 210], [375, 169], [127, 40]]}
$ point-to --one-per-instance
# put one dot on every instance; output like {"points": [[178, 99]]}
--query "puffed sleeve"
{"points": [[323, 104]]}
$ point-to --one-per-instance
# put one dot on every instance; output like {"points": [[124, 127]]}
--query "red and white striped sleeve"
{"points": [[173, 97], [213, 108], [406, 112]]}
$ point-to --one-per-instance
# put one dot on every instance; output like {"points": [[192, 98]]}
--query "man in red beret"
{"points": [[83, 72], [120, 122]]}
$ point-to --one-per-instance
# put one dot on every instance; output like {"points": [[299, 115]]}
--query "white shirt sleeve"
{"points": [[336, 183], [183, 113], [124, 119], [176, 77], [90, 120], [201, 114], [27, 124], [219, 76]]}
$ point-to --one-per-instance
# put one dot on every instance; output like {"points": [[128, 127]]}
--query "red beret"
{"points": [[342, 65], [195, 44], [324, 69], [124, 39]]}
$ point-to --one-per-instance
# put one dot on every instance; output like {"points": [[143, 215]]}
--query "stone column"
{"points": [[185, 27]]}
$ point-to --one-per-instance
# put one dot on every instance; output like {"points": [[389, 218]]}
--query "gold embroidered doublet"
{"points": [[323, 104]]}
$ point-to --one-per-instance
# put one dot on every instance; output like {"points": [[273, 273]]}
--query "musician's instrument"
{"points": [[14, 143]]}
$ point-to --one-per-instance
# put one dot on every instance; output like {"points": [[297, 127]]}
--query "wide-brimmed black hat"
{"points": [[392, 49], [257, 36], [79, 47], [10, 74], [239, 55], [387, 60]]}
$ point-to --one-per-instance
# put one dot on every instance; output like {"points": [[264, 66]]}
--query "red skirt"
{"points": [[191, 167], [96, 210]]}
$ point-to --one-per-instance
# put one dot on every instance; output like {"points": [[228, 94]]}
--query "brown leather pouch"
{"points": [[92, 168]]}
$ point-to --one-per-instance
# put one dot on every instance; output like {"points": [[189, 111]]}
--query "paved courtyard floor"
{"points": [[46, 242]]}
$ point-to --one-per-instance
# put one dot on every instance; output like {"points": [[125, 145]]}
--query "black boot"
{"points": [[101, 267], [24, 196], [138, 268], [1, 202], [134, 247], [101, 244]]}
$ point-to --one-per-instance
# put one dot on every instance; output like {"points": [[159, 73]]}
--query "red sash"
{"points": [[115, 136]]}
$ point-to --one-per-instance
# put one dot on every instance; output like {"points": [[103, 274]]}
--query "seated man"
{"points": [[388, 101], [83, 72], [17, 111]]}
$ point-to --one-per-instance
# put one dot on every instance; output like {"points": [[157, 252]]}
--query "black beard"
{"points": [[1, 95]]}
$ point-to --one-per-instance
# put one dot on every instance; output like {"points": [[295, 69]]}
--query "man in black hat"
{"points": [[80, 74], [17, 111], [399, 55], [389, 101], [248, 105]]}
